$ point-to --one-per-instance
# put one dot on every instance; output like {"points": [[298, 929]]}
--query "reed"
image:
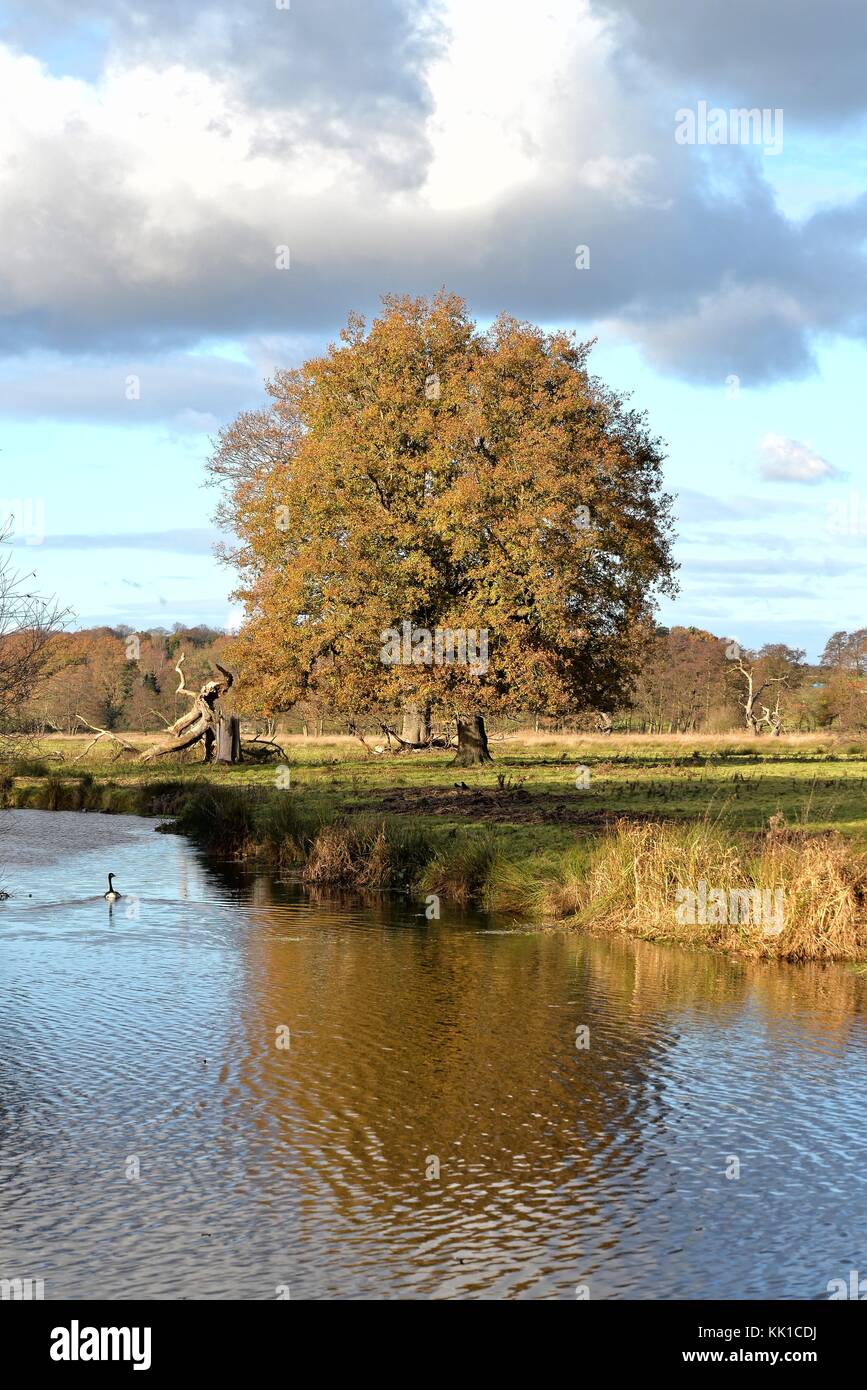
{"points": [[636, 874]]}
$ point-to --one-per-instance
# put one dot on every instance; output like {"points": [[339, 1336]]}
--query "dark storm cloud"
{"points": [[805, 57]]}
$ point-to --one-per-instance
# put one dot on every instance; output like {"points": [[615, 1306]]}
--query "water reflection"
{"points": [[432, 1130]]}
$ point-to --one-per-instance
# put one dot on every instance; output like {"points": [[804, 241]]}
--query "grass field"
{"points": [[530, 833]]}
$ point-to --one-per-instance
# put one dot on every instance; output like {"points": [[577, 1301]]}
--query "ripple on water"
{"points": [[432, 1130]]}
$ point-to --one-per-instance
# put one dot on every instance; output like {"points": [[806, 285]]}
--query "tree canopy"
{"points": [[425, 472]]}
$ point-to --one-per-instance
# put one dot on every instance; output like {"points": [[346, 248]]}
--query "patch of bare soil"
{"points": [[514, 806]]}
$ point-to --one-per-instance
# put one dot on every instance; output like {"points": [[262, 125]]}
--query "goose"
{"points": [[112, 895]]}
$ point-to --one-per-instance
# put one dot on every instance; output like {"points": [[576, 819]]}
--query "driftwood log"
{"points": [[200, 721]]}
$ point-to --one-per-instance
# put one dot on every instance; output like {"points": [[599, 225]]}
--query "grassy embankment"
{"points": [[520, 837]]}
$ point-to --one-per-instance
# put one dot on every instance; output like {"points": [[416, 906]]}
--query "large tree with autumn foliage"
{"points": [[425, 472]]}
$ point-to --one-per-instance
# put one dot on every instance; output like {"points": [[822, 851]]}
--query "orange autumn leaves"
{"points": [[424, 471]]}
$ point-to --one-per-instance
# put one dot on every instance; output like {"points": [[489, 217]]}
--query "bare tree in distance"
{"points": [[27, 622], [771, 669]]}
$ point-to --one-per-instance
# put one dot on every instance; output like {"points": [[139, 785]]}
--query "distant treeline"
{"points": [[694, 682], [691, 681], [117, 678]]}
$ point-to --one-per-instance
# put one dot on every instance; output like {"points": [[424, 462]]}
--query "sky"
{"points": [[155, 157]]}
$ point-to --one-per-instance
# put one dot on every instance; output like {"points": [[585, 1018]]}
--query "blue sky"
{"points": [[151, 160]]}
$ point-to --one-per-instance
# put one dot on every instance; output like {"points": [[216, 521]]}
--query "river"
{"points": [[223, 1087]]}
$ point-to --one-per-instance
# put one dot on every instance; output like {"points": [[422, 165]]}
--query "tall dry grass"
{"points": [[630, 879], [470, 871], [365, 854]]}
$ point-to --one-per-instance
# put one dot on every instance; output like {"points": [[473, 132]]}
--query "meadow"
{"points": [[583, 831]]}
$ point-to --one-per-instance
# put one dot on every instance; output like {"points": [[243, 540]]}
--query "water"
{"points": [[144, 1040]]}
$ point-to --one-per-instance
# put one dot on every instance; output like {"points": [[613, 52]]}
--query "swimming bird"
{"points": [[112, 895]]}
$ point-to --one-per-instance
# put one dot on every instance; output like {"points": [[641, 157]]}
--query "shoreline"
{"points": [[620, 874]]}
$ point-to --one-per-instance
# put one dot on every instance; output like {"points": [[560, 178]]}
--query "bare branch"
{"points": [[182, 690], [103, 733]]}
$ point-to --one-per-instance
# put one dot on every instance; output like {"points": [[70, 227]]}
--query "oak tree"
{"points": [[475, 492]]}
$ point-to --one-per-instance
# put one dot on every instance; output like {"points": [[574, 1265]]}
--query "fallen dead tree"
{"points": [[403, 745], [263, 750], [199, 724]]}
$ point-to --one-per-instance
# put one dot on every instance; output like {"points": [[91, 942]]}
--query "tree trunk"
{"points": [[416, 725], [228, 739], [472, 743]]}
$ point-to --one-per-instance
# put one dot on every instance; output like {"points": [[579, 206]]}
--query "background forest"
{"points": [[689, 682]]}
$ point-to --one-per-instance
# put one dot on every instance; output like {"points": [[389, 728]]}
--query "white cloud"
{"points": [[788, 461], [234, 619], [142, 210]]}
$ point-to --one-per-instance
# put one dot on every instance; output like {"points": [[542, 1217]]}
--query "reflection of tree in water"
{"points": [[413, 1041]]}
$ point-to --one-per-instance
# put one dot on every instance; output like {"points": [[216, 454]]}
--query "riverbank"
{"points": [[756, 849]]}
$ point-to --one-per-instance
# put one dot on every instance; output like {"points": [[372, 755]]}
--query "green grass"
{"points": [[743, 783], [812, 780]]}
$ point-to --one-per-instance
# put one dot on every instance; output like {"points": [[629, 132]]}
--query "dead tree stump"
{"points": [[228, 739], [472, 743]]}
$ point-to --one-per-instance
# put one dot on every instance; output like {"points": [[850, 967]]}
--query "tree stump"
{"points": [[472, 743], [228, 739]]}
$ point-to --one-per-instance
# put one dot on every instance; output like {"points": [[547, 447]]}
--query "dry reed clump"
{"points": [[824, 880], [365, 854], [349, 855], [635, 876]]}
